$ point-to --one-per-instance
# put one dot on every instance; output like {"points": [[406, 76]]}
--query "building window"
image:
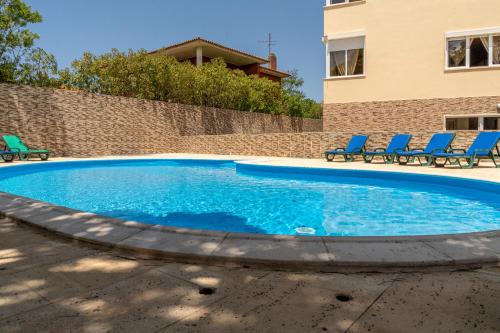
{"points": [[337, 2], [491, 123], [346, 57], [473, 51], [478, 123], [478, 51], [496, 50], [456, 53], [462, 124]]}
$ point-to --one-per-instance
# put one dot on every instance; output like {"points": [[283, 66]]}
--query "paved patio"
{"points": [[50, 285]]}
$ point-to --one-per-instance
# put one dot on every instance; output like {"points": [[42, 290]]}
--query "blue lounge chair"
{"points": [[399, 143], [439, 143], [482, 148], [7, 155], [356, 146]]}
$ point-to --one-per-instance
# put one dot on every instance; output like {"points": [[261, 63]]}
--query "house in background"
{"points": [[412, 65], [199, 51]]}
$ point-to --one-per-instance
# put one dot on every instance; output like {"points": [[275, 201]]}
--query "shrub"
{"points": [[161, 77]]}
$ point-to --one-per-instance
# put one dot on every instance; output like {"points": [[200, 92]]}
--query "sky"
{"points": [[71, 27]]}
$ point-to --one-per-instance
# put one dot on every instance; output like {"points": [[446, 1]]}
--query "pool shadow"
{"points": [[217, 221]]}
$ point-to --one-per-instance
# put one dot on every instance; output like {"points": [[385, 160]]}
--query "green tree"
{"points": [[20, 61], [296, 103], [292, 85]]}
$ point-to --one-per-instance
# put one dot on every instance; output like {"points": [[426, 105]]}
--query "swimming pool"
{"points": [[225, 196]]}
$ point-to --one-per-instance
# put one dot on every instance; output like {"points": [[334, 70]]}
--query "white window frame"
{"points": [[346, 2], [468, 35], [331, 39]]}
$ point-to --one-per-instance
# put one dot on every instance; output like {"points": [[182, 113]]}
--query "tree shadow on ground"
{"points": [[48, 284]]}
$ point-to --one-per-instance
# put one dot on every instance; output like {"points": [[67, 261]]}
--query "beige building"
{"points": [[425, 64]]}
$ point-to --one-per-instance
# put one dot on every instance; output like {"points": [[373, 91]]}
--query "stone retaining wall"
{"points": [[75, 124], [404, 115], [304, 145], [80, 124]]}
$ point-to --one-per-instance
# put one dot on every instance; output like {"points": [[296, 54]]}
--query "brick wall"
{"points": [[305, 145], [81, 124], [404, 115]]}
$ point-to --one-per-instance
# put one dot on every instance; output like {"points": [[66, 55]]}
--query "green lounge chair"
{"points": [[356, 146], [7, 155], [482, 148], [399, 143], [15, 144], [439, 143]]}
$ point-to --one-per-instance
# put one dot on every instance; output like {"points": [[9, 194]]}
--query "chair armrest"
{"points": [[340, 149], [417, 149], [379, 149]]}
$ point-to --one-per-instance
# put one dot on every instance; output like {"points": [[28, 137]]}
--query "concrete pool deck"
{"points": [[322, 254], [49, 284], [486, 171]]}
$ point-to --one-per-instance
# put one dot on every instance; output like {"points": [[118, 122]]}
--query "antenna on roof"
{"points": [[270, 42]]}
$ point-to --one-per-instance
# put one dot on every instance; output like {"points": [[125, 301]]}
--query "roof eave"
{"points": [[258, 60], [274, 72]]}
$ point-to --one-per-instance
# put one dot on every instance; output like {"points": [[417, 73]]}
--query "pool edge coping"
{"points": [[321, 260], [284, 252]]}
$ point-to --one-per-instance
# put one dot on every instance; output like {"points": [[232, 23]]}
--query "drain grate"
{"points": [[207, 291], [343, 298]]}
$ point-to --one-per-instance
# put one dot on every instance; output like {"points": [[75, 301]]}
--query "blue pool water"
{"points": [[218, 195]]}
